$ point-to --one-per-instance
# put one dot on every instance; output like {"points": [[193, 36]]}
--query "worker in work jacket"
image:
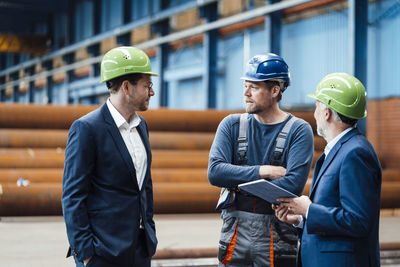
{"points": [[251, 234]]}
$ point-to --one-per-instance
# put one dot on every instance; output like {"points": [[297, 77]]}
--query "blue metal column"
{"points": [[358, 23], [96, 17], [251, 4], [31, 88], [124, 39], [14, 76], [3, 92], [2, 78], [210, 13], [273, 28], [127, 11], [69, 59], [70, 37], [162, 27], [94, 51], [48, 65]]}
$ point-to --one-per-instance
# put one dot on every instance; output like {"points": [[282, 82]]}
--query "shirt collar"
{"points": [[120, 120], [333, 142]]}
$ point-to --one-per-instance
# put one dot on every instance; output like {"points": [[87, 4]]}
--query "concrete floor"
{"points": [[41, 241]]}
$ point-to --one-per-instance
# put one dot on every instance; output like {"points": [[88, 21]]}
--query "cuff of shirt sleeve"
{"points": [[300, 224], [256, 172]]}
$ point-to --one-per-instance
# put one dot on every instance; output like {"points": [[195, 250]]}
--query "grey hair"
{"points": [[334, 113]]}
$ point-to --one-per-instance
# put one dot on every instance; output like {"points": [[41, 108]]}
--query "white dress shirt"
{"points": [[333, 142], [132, 140]]}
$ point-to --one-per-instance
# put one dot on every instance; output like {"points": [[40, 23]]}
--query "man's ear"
{"points": [[327, 114], [125, 86], [275, 90]]}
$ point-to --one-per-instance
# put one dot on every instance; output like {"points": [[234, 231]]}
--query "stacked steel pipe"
{"points": [[33, 140]]}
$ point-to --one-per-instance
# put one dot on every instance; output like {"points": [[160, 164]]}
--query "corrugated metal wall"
{"points": [[313, 48], [384, 50]]}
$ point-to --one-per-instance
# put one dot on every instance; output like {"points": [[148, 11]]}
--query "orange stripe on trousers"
{"points": [[271, 248], [231, 246]]}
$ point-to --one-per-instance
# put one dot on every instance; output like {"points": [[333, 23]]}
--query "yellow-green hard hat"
{"points": [[124, 60], [343, 93]]}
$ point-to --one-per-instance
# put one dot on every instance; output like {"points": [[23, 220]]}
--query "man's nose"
{"points": [[246, 92], [151, 92]]}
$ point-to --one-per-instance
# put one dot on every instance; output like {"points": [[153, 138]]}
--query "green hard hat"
{"points": [[124, 60], [344, 93]]}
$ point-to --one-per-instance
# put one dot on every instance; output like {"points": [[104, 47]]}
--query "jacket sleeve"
{"points": [[150, 205], [78, 168], [149, 192], [221, 171], [359, 196], [300, 152]]}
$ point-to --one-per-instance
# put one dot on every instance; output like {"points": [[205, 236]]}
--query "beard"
{"points": [[144, 106], [321, 131], [253, 108], [138, 104]]}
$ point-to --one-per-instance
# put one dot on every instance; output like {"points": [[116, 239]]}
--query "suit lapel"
{"points": [[119, 142], [324, 166], [331, 155], [317, 168]]}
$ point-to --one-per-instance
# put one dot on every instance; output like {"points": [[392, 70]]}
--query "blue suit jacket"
{"points": [[342, 225], [101, 199]]}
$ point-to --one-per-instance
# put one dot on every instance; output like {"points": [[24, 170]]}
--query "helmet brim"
{"points": [[252, 79], [349, 116], [312, 96], [151, 73], [148, 72]]}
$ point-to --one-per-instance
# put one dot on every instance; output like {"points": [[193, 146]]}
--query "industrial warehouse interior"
{"points": [[50, 72]]}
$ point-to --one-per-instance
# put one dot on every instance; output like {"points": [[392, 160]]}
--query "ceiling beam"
{"points": [[41, 6]]}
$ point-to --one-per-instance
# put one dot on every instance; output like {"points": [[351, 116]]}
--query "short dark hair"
{"points": [[114, 84], [347, 120], [271, 84]]}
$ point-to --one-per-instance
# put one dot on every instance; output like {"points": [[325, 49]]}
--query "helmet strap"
{"points": [[282, 85]]}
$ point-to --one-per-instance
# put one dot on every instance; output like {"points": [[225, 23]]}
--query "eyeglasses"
{"points": [[149, 86]]}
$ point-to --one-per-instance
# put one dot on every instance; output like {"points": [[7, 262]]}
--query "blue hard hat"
{"points": [[267, 67]]}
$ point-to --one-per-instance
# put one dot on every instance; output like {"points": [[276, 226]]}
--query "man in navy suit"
{"points": [[340, 218], [107, 188]]}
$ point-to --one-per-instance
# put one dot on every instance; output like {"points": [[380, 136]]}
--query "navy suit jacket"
{"points": [[101, 200], [342, 224]]}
